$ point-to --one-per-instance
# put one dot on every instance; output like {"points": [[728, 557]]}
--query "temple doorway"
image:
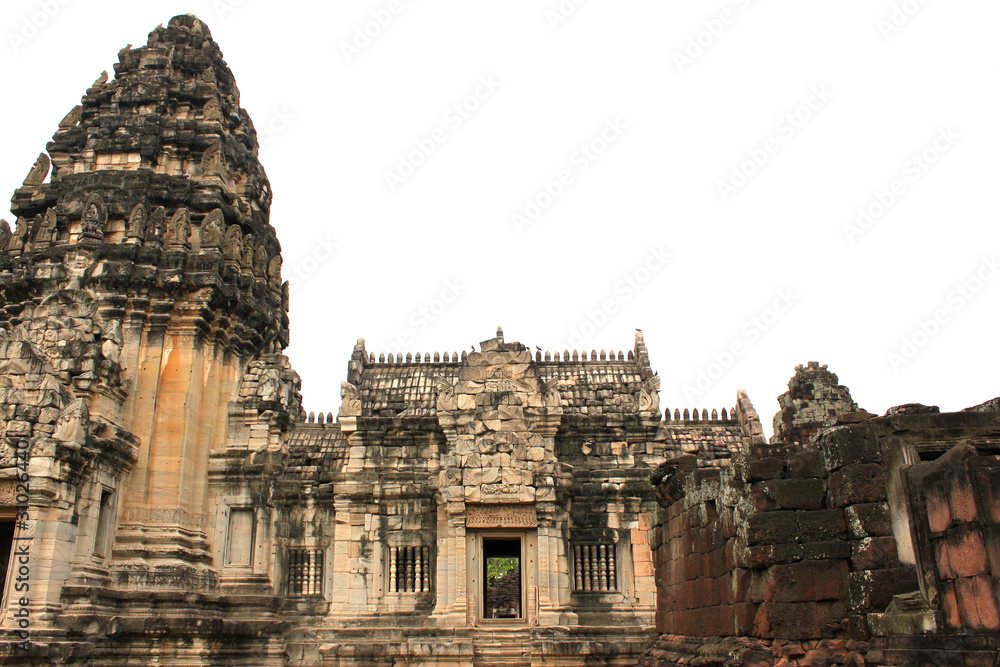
{"points": [[6, 546], [503, 594]]}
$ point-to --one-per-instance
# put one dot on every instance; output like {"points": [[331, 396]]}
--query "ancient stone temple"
{"points": [[165, 500], [164, 497]]}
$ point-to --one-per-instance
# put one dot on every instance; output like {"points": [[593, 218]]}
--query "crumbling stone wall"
{"points": [[790, 556]]}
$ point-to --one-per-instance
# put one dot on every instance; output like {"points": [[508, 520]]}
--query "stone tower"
{"points": [[141, 283]]}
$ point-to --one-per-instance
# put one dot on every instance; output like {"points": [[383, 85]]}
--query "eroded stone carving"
{"points": [[212, 110], [446, 396], [178, 230], [274, 272], [20, 236], [156, 228], [100, 80], [95, 214], [649, 395], [72, 118], [79, 264], [248, 251], [260, 262], [211, 229], [5, 234], [212, 162], [135, 230], [38, 172], [550, 394], [233, 243], [350, 405], [46, 231], [71, 426]]}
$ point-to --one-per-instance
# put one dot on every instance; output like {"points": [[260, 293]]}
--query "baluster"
{"points": [[392, 569], [603, 567], [586, 568], [318, 572], [578, 567], [612, 569], [418, 582], [409, 569], [427, 569]]}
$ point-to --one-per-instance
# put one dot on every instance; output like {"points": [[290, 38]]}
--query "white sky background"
{"points": [[332, 127]]}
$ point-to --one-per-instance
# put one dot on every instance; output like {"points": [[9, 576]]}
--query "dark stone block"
{"points": [[857, 483]]}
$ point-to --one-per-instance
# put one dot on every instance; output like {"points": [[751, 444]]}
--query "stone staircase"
{"points": [[502, 647]]}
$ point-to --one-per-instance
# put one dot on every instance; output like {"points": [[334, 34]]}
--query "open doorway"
{"points": [[502, 593], [6, 545]]}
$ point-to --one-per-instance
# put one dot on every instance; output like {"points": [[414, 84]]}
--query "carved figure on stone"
{"points": [[649, 395], [78, 265], [38, 172], [446, 401], [274, 272], [178, 229], [95, 214], [350, 405], [284, 296], [232, 247], [211, 229], [33, 228], [72, 118], [45, 234], [212, 110], [101, 80], [550, 395], [52, 392], [5, 234], [71, 425], [156, 228], [212, 162], [113, 340], [136, 227], [248, 248], [17, 241], [260, 262], [269, 385]]}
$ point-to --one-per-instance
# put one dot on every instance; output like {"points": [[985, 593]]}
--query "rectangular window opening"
{"points": [[240, 541], [103, 536], [305, 572], [595, 568]]}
